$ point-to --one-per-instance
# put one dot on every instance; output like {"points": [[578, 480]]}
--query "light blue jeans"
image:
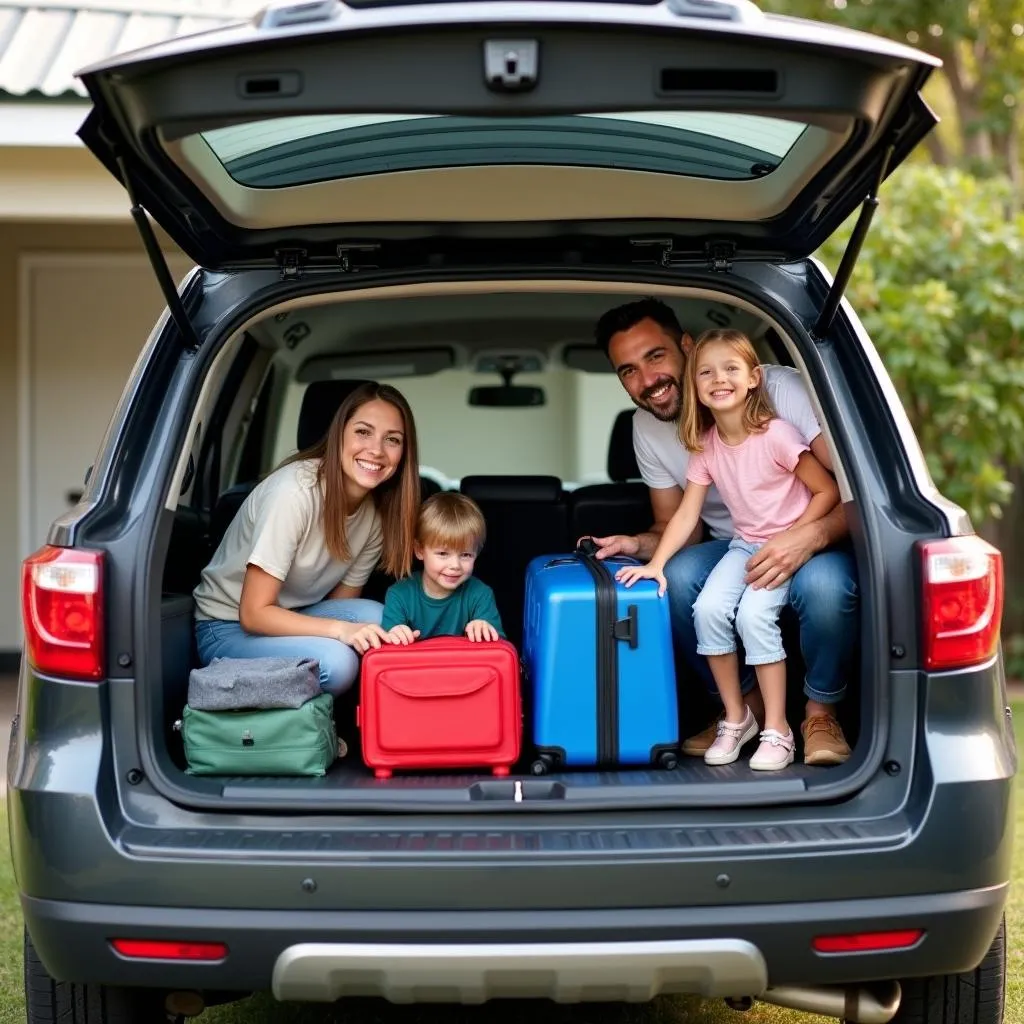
{"points": [[339, 663], [824, 595], [727, 605]]}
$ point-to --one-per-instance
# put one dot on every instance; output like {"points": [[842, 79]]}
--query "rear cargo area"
{"points": [[571, 472]]}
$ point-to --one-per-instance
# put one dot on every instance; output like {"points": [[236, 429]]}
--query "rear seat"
{"points": [[622, 506], [526, 516], [320, 402]]}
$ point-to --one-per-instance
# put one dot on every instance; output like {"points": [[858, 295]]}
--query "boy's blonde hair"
{"points": [[451, 520], [697, 419]]}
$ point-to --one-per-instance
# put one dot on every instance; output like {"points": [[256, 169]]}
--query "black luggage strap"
{"points": [[610, 630]]}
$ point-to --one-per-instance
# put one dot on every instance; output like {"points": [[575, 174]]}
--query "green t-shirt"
{"points": [[407, 604]]}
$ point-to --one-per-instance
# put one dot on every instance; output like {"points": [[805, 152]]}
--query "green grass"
{"points": [[262, 1009]]}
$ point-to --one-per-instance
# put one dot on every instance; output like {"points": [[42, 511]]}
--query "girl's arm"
{"points": [[259, 612], [677, 532], [824, 491]]}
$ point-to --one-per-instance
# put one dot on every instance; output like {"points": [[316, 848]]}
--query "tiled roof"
{"points": [[44, 42]]}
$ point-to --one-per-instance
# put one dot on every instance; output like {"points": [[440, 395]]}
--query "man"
{"points": [[648, 347]]}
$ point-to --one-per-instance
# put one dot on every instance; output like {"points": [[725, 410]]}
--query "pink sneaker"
{"points": [[730, 739], [775, 751]]}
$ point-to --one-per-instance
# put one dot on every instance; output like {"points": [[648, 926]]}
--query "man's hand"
{"points": [[402, 635], [781, 557], [619, 544], [481, 629]]}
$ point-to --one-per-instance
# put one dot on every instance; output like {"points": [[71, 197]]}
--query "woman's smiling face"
{"points": [[372, 447]]}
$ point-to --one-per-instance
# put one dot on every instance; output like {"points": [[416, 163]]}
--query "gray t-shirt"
{"points": [[279, 528], [663, 460]]}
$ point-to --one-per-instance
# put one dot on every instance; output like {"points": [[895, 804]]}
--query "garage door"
{"points": [[85, 318]]}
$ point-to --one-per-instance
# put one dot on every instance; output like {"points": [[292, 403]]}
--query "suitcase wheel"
{"points": [[542, 765], [668, 760]]}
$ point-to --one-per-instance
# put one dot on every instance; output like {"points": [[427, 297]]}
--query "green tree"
{"points": [[937, 286], [981, 87]]}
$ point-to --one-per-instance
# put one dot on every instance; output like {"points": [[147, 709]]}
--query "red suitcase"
{"points": [[445, 702]]}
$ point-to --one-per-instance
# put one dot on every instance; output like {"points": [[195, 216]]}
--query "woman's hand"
{"points": [[402, 635], [481, 629], [362, 635], [629, 574]]}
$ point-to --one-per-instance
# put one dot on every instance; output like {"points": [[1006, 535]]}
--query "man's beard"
{"points": [[666, 414]]}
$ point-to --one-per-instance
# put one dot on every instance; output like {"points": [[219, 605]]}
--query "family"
{"points": [[747, 520]]}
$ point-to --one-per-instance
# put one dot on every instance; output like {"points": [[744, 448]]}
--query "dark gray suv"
{"points": [[433, 194]]}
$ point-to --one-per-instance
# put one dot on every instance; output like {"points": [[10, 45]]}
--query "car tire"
{"points": [[48, 1001], [977, 997]]}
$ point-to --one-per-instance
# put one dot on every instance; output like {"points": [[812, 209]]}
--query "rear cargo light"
{"points": [[963, 601], [867, 942], [62, 612], [157, 949]]}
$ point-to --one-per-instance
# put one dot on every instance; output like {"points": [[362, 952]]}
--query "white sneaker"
{"points": [[730, 739], [775, 751]]}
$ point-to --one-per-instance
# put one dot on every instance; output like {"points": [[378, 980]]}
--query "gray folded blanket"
{"points": [[231, 684]]}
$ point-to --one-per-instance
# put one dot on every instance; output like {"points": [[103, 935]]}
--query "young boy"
{"points": [[445, 599]]}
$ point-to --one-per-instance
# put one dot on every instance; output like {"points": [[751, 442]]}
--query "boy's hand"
{"points": [[631, 573], [480, 629], [402, 635]]}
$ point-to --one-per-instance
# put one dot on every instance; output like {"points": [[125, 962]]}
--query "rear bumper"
{"points": [[473, 956]]}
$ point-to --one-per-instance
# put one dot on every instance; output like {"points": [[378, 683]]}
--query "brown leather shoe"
{"points": [[824, 742], [697, 746]]}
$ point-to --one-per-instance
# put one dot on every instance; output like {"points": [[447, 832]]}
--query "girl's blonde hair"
{"points": [[397, 500], [697, 418]]}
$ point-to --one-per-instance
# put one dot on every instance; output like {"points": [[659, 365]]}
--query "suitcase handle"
{"points": [[628, 629]]}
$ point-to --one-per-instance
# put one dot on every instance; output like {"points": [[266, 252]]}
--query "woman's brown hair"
{"points": [[697, 419], [397, 499]]}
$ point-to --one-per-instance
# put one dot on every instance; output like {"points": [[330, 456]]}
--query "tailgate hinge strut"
{"points": [[835, 294], [189, 338]]}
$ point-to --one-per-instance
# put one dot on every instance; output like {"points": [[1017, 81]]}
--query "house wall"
{"points": [[18, 239]]}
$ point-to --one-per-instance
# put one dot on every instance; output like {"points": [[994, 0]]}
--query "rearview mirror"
{"points": [[506, 396]]}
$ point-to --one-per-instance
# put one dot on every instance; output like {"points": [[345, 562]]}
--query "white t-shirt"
{"points": [[663, 460], [279, 528]]}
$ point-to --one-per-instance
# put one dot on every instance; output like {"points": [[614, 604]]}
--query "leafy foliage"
{"points": [[938, 288], [981, 44]]}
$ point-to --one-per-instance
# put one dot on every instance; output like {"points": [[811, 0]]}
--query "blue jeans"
{"points": [[822, 593], [727, 606], [339, 663]]}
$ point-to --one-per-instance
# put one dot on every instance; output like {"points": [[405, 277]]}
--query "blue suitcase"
{"points": [[598, 659]]}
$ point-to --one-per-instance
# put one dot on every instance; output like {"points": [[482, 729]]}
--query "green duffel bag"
{"points": [[267, 741]]}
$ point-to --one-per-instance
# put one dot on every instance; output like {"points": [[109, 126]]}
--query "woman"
{"points": [[286, 579]]}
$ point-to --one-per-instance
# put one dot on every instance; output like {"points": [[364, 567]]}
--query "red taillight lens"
{"points": [[156, 949], [867, 942], [963, 601], [62, 612]]}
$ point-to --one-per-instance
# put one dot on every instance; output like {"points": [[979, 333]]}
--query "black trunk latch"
{"points": [[510, 65]]}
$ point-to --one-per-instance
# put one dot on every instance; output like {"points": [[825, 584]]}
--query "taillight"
{"points": [[867, 942], [62, 612], [160, 949], [963, 601]]}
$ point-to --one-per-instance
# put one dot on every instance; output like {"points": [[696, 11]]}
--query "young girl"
{"points": [[286, 579], [770, 482]]}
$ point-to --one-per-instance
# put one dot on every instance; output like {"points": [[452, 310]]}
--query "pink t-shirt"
{"points": [[755, 479]]}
